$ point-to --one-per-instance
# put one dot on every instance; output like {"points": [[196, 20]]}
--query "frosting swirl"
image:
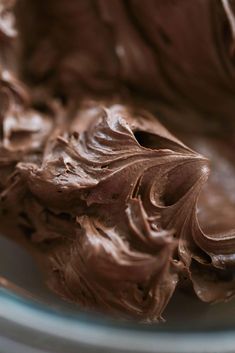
{"points": [[111, 196]]}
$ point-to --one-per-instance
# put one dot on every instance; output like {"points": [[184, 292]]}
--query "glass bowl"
{"points": [[44, 323]]}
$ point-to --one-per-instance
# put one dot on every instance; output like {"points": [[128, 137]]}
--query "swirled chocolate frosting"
{"points": [[117, 210]]}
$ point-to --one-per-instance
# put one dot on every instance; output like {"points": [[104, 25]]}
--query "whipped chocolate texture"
{"points": [[178, 53], [118, 211]]}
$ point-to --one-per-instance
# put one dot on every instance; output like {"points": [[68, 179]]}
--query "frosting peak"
{"points": [[118, 190]]}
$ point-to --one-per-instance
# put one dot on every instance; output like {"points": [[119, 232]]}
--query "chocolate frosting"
{"points": [[150, 48], [115, 208]]}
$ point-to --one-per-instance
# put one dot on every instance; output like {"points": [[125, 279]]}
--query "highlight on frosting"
{"points": [[117, 211]]}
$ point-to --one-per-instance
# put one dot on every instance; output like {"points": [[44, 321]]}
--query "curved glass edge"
{"points": [[85, 329]]}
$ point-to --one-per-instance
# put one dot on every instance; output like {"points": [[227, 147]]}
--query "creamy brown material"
{"points": [[117, 211], [100, 45]]}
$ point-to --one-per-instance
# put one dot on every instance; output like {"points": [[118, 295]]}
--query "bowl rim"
{"points": [[104, 333]]}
